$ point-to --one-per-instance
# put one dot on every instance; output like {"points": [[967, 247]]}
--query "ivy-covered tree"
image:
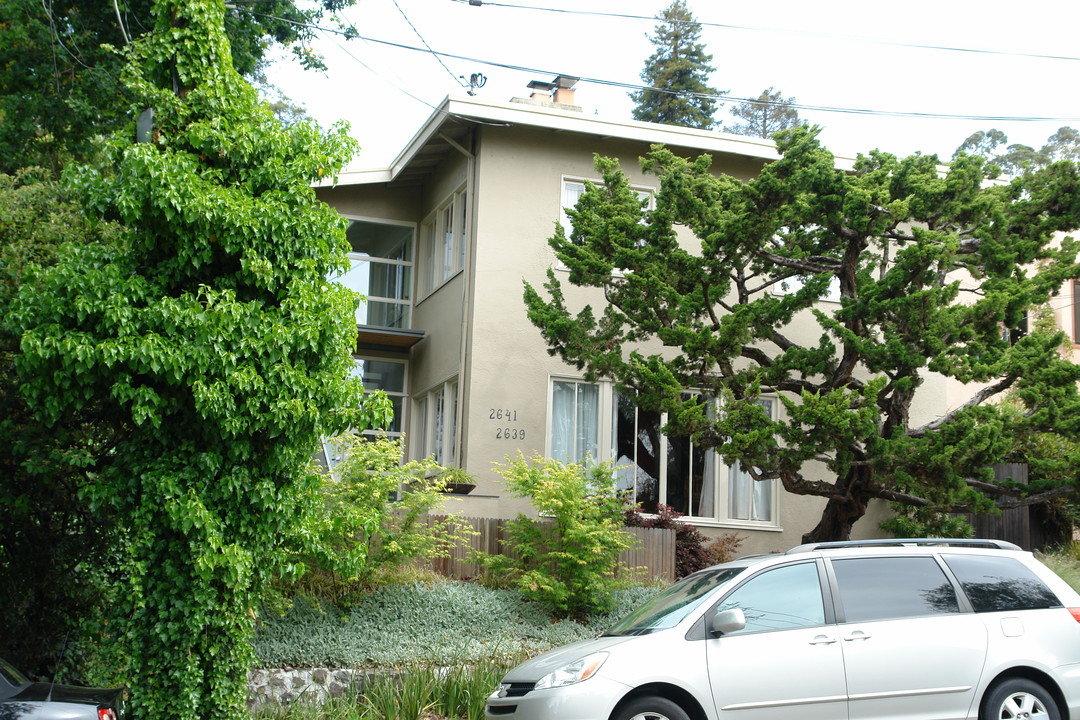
{"points": [[59, 69], [52, 547], [929, 266], [770, 113], [677, 74], [214, 341]]}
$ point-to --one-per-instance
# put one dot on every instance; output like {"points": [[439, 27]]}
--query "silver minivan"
{"points": [[899, 629]]}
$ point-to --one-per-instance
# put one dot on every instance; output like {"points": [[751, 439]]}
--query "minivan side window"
{"points": [[995, 584], [893, 587], [780, 599]]}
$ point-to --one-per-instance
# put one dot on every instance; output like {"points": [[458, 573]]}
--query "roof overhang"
{"points": [[398, 340], [456, 116]]}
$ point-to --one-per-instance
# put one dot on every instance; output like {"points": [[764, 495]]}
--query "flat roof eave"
{"points": [[527, 114]]}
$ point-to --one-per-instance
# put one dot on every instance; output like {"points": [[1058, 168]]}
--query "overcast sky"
{"points": [[844, 54]]}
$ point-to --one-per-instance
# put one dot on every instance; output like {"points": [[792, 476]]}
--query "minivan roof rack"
{"points": [[906, 542]]}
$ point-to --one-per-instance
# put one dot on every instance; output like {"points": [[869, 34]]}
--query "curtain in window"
{"points": [[749, 499], [575, 414], [438, 436]]}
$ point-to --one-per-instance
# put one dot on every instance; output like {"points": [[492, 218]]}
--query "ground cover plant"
{"points": [[447, 623], [439, 647]]}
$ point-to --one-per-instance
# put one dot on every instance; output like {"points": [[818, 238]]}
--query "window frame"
{"points": [[402, 394], [444, 235], [1076, 311], [436, 430], [644, 192], [725, 501], [410, 265], [332, 454], [607, 450]]}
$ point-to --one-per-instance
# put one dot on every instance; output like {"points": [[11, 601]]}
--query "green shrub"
{"points": [[377, 516], [693, 551], [568, 558]]}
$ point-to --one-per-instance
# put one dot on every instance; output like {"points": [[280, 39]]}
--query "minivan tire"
{"points": [[652, 708], [1019, 699]]}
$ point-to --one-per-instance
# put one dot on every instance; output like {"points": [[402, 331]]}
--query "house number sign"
{"points": [[503, 417]]}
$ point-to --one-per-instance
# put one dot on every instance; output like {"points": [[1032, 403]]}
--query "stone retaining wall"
{"points": [[316, 685]]}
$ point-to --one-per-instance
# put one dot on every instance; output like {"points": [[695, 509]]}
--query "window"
{"points": [[785, 598], [636, 447], [571, 193], [1076, 310], [750, 499], [995, 584], [443, 236], [575, 416], [572, 190], [1015, 334], [380, 269], [595, 421], [436, 429], [893, 587], [388, 376]]}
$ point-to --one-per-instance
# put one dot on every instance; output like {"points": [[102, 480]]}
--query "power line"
{"points": [[719, 97], [433, 53], [729, 98], [373, 71], [811, 33]]}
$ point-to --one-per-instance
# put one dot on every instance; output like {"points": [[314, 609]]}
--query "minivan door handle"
{"points": [[822, 640], [857, 635]]}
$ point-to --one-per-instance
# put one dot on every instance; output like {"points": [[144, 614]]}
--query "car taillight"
{"points": [[106, 714], [1075, 612]]}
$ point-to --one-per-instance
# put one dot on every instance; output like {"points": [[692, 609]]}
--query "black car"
{"points": [[21, 699]]}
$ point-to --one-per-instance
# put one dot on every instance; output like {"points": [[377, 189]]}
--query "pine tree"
{"points": [[762, 117], [700, 327], [677, 74]]}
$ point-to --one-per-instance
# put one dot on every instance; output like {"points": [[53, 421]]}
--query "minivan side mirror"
{"points": [[728, 621]]}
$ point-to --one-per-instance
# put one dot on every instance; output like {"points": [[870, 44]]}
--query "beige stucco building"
{"points": [[443, 240]]}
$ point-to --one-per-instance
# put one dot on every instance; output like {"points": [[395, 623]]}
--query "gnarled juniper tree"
{"points": [[897, 238]]}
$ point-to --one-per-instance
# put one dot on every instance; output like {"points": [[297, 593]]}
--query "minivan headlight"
{"points": [[575, 672]]}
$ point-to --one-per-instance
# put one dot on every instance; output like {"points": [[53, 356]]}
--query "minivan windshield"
{"points": [[11, 675], [669, 607]]}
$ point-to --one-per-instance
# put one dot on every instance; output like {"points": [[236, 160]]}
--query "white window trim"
{"points": [[434, 252], [403, 394], [643, 191], [425, 422], [411, 264], [721, 480]]}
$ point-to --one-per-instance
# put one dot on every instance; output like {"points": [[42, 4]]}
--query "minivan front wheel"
{"points": [[651, 708], [1019, 699]]}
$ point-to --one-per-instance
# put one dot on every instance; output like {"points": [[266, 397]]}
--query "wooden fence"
{"points": [[652, 554], [1017, 525]]}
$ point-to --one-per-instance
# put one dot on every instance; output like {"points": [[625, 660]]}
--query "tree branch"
{"points": [[979, 397]]}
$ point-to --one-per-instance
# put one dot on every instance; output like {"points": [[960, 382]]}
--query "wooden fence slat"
{"points": [[653, 552]]}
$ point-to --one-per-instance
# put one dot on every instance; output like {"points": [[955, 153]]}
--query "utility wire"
{"points": [[812, 33], [371, 70], [430, 50], [729, 98], [722, 98]]}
